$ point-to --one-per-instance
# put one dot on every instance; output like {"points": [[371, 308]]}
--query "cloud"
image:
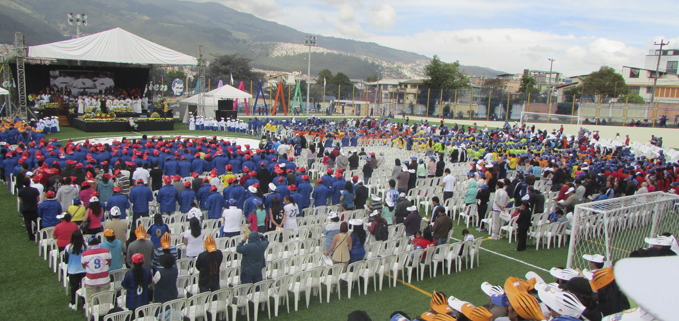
{"points": [[603, 51], [383, 17], [579, 24], [350, 30], [346, 12]]}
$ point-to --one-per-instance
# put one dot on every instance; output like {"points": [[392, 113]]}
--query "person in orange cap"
{"points": [[165, 277], [142, 245], [522, 305], [114, 246], [208, 264]]}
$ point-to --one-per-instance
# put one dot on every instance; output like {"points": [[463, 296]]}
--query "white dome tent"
{"points": [[211, 100]]}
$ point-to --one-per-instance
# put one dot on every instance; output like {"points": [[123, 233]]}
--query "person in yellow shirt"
{"points": [[513, 160], [267, 127], [229, 174]]}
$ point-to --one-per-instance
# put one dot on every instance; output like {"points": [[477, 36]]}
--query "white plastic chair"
{"points": [[218, 303], [171, 310], [412, 263], [147, 312], [399, 263], [427, 261], [240, 299], [120, 316], [330, 278], [371, 267], [453, 257], [100, 303], [298, 284], [352, 275], [510, 228], [470, 213], [439, 257], [45, 240], [279, 292], [385, 266], [259, 294], [475, 251], [197, 306]]}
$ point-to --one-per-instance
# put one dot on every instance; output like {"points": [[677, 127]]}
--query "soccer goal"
{"points": [[616, 227], [531, 117]]}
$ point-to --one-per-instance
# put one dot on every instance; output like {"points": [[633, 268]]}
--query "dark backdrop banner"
{"points": [[38, 76]]}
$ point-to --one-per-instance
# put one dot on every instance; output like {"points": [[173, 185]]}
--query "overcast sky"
{"points": [[507, 35]]}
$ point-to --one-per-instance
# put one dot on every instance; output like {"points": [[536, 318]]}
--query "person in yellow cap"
{"points": [[141, 245], [165, 277], [208, 264], [610, 297], [439, 308], [469, 311], [522, 305], [165, 251], [114, 246]]}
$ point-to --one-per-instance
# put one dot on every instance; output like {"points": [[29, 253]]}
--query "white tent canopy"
{"points": [[3, 91], [211, 99], [116, 46]]}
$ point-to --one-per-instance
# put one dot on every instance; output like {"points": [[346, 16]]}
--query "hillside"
{"points": [[184, 25]]}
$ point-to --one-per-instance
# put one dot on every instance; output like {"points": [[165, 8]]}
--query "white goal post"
{"points": [[532, 117], [616, 227]]}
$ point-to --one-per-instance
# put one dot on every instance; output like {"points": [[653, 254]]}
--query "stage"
{"points": [[121, 126]]}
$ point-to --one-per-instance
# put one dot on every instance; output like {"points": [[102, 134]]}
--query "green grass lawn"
{"points": [[30, 291]]}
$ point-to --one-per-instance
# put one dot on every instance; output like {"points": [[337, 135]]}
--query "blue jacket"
{"points": [[251, 181], [215, 203], [140, 196], [239, 194], [305, 189], [345, 141], [249, 164], [185, 198], [327, 180], [119, 200], [253, 260], [320, 195], [249, 205], [336, 190], [167, 198], [298, 200], [48, 211], [197, 165], [170, 168], [202, 195], [184, 168], [283, 190], [226, 192]]}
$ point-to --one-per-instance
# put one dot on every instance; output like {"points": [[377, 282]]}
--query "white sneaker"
{"points": [[72, 306]]}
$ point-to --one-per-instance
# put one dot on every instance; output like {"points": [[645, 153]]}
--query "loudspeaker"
{"points": [[224, 114], [225, 104]]}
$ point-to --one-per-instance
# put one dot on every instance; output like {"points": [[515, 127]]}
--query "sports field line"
{"points": [[509, 257], [410, 285]]}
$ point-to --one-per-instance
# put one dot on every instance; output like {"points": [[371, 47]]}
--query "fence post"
{"points": [[607, 235], [455, 112], [528, 103], [655, 112], [624, 118], [428, 94], [573, 109], [488, 109], [577, 213], [509, 96], [440, 99], [598, 107], [471, 101]]}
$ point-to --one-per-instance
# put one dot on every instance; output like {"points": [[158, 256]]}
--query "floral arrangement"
{"points": [[121, 109], [92, 109], [154, 119], [101, 117], [49, 106], [155, 115]]}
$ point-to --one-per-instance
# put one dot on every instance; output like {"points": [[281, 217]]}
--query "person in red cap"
{"points": [[140, 196], [327, 178], [321, 193], [86, 193], [48, 210], [167, 197], [186, 197]]}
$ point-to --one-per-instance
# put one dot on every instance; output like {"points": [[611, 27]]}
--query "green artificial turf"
{"points": [[30, 290]]}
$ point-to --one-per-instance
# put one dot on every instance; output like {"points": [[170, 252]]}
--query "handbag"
{"points": [[85, 224]]}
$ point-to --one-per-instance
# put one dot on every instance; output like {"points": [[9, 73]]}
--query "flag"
{"points": [[323, 81], [231, 75]]}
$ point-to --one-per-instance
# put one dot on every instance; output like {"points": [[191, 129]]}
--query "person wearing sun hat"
{"points": [[468, 310], [140, 196], [208, 264], [522, 305], [140, 245], [438, 309], [563, 306], [596, 261], [611, 298], [114, 246], [498, 302]]}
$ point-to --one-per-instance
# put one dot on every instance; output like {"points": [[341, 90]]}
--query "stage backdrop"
{"points": [[39, 77]]}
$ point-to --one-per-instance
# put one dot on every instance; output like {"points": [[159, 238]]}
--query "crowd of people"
{"points": [[71, 186]]}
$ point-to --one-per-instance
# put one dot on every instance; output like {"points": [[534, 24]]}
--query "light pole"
{"points": [[657, 66], [77, 19], [551, 63], [309, 41]]}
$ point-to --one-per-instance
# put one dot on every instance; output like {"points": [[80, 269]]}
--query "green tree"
{"points": [[528, 83], [225, 66], [634, 99], [372, 78], [326, 75], [494, 84], [341, 79], [176, 74], [443, 75], [606, 82]]}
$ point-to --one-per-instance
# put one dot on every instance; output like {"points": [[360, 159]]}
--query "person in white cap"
{"points": [[563, 306], [412, 221], [596, 261], [378, 226], [562, 276], [331, 229], [401, 208]]}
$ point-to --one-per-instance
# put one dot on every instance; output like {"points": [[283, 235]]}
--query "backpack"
{"points": [[382, 233]]}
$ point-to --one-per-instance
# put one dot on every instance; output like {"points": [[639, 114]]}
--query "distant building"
{"points": [[640, 81], [569, 83], [544, 78], [669, 60], [511, 82]]}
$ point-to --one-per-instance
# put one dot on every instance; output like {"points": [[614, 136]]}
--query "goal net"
{"points": [[531, 117], [616, 227]]}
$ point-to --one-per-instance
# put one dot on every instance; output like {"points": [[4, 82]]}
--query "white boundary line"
{"points": [[511, 258]]}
